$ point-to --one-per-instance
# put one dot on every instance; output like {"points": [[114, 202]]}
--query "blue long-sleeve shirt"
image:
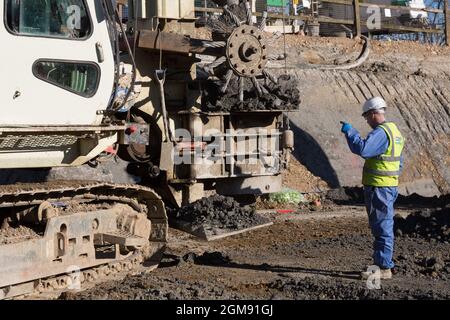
{"points": [[376, 143]]}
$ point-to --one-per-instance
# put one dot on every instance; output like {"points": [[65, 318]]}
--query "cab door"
{"points": [[57, 64]]}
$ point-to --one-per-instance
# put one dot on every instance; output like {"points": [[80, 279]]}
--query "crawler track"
{"points": [[76, 232]]}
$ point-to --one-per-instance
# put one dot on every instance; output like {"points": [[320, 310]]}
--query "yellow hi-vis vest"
{"points": [[384, 170]]}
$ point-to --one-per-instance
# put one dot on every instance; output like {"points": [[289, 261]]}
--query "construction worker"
{"points": [[382, 150]]}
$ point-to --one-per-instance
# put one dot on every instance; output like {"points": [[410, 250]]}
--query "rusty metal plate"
{"points": [[246, 51]]}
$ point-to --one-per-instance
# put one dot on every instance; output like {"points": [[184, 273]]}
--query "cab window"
{"points": [[48, 18], [77, 77]]}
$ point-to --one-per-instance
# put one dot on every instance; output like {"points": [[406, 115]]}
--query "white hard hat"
{"points": [[376, 103]]}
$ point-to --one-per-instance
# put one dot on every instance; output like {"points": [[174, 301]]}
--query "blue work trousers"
{"points": [[380, 209]]}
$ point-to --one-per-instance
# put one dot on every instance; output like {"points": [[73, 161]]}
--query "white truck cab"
{"points": [[57, 62]]}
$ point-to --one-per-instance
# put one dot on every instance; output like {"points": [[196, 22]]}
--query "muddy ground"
{"points": [[307, 255]]}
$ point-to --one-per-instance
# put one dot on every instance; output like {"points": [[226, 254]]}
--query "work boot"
{"points": [[384, 274]]}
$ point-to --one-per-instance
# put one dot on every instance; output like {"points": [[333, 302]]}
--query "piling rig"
{"points": [[83, 88]]}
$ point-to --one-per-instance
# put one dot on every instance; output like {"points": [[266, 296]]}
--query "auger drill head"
{"points": [[245, 82]]}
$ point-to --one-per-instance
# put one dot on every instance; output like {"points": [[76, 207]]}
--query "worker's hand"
{"points": [[345, 127]]}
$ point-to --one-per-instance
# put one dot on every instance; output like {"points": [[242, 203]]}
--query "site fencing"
{"points": [[429, 24]]}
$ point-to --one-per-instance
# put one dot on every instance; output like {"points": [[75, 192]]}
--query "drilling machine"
{"points": [[80, 87]]}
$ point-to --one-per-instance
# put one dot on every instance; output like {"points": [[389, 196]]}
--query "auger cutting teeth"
{"points": [[245, 55], [240, 69]]}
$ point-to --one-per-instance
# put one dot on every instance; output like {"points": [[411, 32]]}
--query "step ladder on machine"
{"points": [[315, 8]]}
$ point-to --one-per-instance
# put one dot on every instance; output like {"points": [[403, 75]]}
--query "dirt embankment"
{"points": [[385, 56]]}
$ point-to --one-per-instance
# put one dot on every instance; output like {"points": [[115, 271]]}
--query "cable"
{"points": [[111, 23], [133, 61], [284, 36], [135, 7], [135, 36]]}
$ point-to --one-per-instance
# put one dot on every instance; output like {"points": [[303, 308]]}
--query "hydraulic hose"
{"points": [[133, 61]]}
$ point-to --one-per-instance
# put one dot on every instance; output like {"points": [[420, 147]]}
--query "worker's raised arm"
{"points": [[374, 145]]}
